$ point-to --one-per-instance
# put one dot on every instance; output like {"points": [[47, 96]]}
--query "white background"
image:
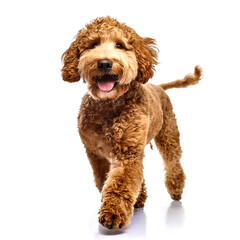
{"points": [[46, 183]]}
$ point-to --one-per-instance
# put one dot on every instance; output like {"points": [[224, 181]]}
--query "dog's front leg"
{"points": [[120, 191]]}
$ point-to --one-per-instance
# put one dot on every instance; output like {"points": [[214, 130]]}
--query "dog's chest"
{"points": [[96, 123], [97, 120]]}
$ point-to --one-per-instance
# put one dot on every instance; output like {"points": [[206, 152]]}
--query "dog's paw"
{"points": [[113, 219], [175, 185], [176, 197]]}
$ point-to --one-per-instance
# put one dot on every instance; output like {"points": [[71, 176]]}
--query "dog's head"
{"points": [[109, 55]]}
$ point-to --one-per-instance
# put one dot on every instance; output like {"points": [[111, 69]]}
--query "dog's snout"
{"points": [[104, 65]]}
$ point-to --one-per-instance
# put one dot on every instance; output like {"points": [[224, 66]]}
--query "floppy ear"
{"points": [[70, 60], [147, 54]]}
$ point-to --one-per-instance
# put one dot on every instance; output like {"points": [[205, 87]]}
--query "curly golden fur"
{"points": [[121, 114]]}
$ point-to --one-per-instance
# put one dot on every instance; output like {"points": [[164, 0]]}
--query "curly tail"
{"points": [[190, 79]]}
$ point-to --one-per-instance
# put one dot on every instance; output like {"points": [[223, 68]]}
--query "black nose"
{"points": [[104, 65]]}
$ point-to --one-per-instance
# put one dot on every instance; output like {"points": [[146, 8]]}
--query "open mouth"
{"points": [[107, 82]]}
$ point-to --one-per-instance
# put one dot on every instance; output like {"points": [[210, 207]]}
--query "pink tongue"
{"points": [[106, 86]]}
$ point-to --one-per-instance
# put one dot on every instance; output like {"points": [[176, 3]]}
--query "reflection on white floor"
{"points": [[174, 219], [175, 215]]}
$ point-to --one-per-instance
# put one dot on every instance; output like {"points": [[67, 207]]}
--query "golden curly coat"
{"points": [[121, 114]]}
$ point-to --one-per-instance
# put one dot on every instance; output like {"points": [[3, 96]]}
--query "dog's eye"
{"points": [[119, 46], [94, 45]]}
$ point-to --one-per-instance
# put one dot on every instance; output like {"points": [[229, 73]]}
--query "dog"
{"points": [[120, 114]]}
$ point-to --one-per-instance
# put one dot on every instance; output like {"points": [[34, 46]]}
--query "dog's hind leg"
{"points": [[100, 166], [168, 144]]}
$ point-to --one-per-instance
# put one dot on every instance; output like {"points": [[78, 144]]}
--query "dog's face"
{"points": [[109, 55], [108, 64]]}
